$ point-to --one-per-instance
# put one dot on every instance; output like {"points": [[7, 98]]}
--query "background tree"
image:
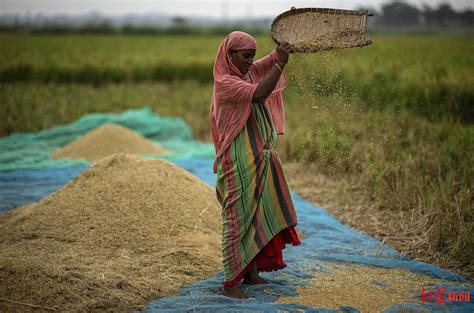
{"points": [[400, 13]]}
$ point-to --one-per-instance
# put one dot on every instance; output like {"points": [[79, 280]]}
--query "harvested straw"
{"points": [[124, 232], [107, 140]]}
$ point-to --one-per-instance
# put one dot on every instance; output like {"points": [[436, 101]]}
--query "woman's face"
{"points": [[243, 59]]}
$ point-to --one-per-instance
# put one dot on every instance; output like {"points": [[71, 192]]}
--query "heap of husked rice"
{"points": [[106, 140], [125, 231]]}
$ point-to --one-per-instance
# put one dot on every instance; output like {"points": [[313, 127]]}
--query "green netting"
{"points": [[33, 150]]}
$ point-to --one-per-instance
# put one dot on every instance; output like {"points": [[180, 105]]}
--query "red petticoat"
{"points": [[270, 258]]}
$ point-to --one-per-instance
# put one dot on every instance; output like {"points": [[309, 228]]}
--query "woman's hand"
{"points": [[283, 51]]}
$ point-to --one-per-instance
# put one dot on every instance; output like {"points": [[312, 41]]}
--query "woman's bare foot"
{"points": [[234, 292], [252, 278]]}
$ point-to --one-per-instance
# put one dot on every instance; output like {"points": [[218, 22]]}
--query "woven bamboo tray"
{"points": [[317, 29]]}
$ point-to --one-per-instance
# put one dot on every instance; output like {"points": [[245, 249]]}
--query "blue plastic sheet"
{"points": [[33, 150], [326, 239], [21, 187]]}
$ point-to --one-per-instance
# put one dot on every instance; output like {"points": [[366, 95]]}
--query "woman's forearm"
{"points": [[266, 86]]}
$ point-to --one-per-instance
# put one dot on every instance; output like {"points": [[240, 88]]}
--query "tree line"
{"points": [[402, 14]]}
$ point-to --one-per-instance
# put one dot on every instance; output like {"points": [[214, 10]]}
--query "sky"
{"points": [[224, 9]]}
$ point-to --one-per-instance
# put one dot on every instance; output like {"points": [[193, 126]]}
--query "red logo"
{"points": [[442, 297]]}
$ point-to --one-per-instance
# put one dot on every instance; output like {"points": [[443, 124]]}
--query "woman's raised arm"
{"points": [[266, 86]]}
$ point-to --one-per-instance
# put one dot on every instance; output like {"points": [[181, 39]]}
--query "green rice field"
{"points": [[395, 118]]}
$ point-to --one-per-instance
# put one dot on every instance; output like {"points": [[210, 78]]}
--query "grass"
{"points": [[402, 161], [392, 119], [33, 106], [395, 73]]}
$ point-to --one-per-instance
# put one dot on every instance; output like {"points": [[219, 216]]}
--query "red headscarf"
{"points": [[231, 102]]}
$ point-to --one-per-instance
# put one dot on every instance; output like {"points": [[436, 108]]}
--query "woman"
{"points": [[246, 115]]}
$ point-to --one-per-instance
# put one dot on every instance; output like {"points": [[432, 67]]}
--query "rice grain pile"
{"points": [[124, 232], [106, 140]]}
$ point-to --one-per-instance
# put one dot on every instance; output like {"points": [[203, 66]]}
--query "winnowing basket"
{"points": [[317, 29]]}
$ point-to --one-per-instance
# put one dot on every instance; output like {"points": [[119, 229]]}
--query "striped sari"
{"points": [[257, 209]]}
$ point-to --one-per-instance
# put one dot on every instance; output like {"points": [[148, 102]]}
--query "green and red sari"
{"points": [[257, 209]]}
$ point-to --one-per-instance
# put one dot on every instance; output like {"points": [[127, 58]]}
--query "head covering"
{"points": [[231, 102], [234, 41]]}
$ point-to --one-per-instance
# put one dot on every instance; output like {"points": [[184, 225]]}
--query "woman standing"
{"points": [[246, 115]]}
